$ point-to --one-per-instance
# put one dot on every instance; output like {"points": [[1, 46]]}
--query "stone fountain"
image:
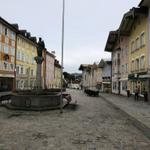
{"points": [[37, 99]]}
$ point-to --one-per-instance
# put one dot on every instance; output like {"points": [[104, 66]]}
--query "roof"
{"points": [[144, 3], [112, 38], [11, 26], [57, 64], [129, 18], [29, 39], [103, 62], [83, 66], [50, 54]]}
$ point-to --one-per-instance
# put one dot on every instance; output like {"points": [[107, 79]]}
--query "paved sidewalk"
{"points": [[139, 110]]}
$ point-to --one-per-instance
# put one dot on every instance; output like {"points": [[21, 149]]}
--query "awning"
{"points": [[144, 76], [106, 82], [123, 79]]}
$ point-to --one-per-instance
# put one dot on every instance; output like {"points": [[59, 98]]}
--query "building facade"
{"points": [[57, 74], [25, 63], [50, 60], [85, 76], [105, 66], [124, 64], [113, 46], [146, 3], [135, 25], [7, 55]]}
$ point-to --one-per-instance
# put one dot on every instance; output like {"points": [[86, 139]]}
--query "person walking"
{"points": [[136, 96]]}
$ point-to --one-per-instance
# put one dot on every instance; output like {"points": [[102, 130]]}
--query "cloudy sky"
{"points": [[87, 24]]}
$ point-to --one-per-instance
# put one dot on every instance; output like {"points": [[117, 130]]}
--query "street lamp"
{"points": [[62, 56]]}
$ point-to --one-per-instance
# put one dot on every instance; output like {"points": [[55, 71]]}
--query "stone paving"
{"points": [[138, 109], [91, 125]]}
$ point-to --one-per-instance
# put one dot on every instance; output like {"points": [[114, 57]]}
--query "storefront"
{"points": [[6, 84], [141, 80]]}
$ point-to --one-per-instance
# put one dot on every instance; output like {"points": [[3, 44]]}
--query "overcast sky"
{"points": [[87, 24]]}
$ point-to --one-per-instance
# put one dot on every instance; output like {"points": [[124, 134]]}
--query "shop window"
{"points": [[143, 87], [114, 85], [124, 85]]}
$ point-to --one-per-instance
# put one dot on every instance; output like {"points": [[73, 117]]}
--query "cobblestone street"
{"points": [[93, 125]]}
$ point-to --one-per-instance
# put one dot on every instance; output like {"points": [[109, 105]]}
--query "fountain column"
{"points": [[39, 59]]}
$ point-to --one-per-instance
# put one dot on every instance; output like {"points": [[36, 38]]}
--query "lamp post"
{"points": [[62, 56]]}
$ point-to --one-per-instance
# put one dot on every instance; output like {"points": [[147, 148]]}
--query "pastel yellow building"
{"points": [[25, 63], [135, 26]]}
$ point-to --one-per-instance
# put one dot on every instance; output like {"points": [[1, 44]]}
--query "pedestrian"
{"points": [[136, 96], [128, 92], [145, 95]]}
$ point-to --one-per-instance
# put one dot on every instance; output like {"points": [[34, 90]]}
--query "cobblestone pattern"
{"points": [[92, 125], [138, 109]]}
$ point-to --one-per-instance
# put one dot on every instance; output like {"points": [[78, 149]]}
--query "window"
{"points": [[142, 39], [32, 72], [13, 36], [21, 70], [132, 46], [18, 55], [132, 65], [6, 40], [11, 66], [13, 43], [137, 64], [17, 70], [142, 62], [137, 43], [22, 57], [114, 85], [6, 49], [12, 51], [126, 68], [0, 28], [5, 65], [12, 60], [124, 85], [0, 46], [32, 60], [122, 68], [6, 31]]}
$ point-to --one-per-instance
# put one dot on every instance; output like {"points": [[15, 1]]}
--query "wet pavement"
{"points": [[92, 124]]}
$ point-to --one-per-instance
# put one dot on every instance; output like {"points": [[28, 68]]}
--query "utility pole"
{"points": [[62, 56]]}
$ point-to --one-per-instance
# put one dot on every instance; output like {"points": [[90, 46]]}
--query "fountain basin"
{"points": [[35, 101]]}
